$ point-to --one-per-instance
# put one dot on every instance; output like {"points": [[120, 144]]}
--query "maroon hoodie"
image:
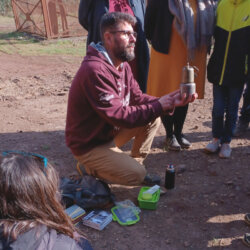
{"points": [[102, 100]]}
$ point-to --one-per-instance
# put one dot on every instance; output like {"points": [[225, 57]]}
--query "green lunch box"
{"points": [[148, 204]]}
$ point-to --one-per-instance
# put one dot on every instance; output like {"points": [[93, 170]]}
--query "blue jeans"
{"points": [[245, 110], [226, 100]]}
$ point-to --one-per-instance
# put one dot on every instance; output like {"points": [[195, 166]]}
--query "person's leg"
{"points": [[171, 141], [233, 96], [232, 106], [219, 93], [219, 99], [245, 110], [244, 118], [168, 123], [179, 119], [107, 162], [143, 138]]}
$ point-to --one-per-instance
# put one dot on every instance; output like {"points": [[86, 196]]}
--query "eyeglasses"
{"points": [[35, 156], [126, 33]]}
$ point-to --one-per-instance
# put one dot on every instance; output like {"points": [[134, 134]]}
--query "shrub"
{"points": [[5, 7]]}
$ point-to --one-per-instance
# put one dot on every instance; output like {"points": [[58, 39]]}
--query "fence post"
{"points": [[46, 18], [13, 4]]}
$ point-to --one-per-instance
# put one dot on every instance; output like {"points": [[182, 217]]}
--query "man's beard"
{"points": [[125, 54]]}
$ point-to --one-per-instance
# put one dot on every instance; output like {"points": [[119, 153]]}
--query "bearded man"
{"points": [[106, 108]]}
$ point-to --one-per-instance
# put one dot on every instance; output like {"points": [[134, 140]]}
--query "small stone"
{"points": [[187, 243], [212, 172], [181, 168], [229, 183], [212, 161], [193, 197], [213, 204], [167, 241]]}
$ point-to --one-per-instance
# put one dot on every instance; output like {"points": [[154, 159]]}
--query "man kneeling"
{"points": [[106, 108]]}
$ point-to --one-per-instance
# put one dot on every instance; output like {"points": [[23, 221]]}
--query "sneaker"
{"points": [[241, 128], [225, 151], [184, 143], [151, 180], [172, 144], [247, 219], [213, 146], [246, 239]]}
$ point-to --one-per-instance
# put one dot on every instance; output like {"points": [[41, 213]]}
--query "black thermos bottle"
{"points": [[170, 177]]}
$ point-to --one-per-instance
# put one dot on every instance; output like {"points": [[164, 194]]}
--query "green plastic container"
{"points": [[148, 204]]}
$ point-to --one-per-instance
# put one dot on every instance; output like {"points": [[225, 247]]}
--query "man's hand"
{"points": [[167, 102], [175, 99], [182, 100]]}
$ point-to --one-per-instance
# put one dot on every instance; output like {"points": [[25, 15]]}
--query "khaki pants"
{"points": [[108, 162]]}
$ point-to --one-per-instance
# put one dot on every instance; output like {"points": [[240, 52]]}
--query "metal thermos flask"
{"points": [[170, 177], [187, 82]]}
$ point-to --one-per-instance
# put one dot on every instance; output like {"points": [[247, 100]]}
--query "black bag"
{"points": [[86, 192]]}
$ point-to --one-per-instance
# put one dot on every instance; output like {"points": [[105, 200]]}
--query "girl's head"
{"points": [[29, 196]]}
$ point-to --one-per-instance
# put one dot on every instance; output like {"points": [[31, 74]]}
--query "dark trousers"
{"points": [[173, 124], [225, 111], [245, 110]]}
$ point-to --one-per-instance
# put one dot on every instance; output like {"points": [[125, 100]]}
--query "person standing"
{"points": [[90, 14], [179, 32], [227, 71]]}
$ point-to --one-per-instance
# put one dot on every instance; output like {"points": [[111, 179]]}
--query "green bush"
{"points": [[5, 7]]}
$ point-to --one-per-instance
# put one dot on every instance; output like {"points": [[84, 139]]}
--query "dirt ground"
{"points": [[204, 211]]}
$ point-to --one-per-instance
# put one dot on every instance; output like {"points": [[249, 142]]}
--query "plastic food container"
{"points": [[148, 204]]}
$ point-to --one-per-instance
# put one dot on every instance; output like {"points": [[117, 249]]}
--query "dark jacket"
{"points": [[90, 13], [41, 238], [103, 99], [158, 25], [228, 62]]}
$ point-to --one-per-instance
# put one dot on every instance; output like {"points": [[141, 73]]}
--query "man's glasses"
{"points": [[126, 33], [33, 155]]}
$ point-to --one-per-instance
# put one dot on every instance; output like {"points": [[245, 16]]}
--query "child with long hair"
{"points": [[32, 216]]}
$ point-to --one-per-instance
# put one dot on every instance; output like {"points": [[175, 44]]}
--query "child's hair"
{"points": [[29, 197]]}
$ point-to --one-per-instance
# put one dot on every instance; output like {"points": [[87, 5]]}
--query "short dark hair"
{"points": [[113, 19]]}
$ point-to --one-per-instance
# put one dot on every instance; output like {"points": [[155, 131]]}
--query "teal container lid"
{"points": [[124, 216]]}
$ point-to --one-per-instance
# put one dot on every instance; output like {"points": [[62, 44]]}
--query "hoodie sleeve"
{"points": [[102, 93]]}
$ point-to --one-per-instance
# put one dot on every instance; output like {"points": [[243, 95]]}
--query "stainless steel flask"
{"points": [[188, 85]]}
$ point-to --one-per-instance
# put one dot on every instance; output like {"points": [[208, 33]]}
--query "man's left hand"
{"points": [[182, 100]]}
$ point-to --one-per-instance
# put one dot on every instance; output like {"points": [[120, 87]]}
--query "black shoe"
{"points": [[151, 180], [184, 143], [172, 144]]}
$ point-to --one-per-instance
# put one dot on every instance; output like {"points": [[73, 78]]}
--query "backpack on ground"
{"points": [[87, 192]]}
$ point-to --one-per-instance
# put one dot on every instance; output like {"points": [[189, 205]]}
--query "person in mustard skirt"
{"points": [[180, 33]]}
